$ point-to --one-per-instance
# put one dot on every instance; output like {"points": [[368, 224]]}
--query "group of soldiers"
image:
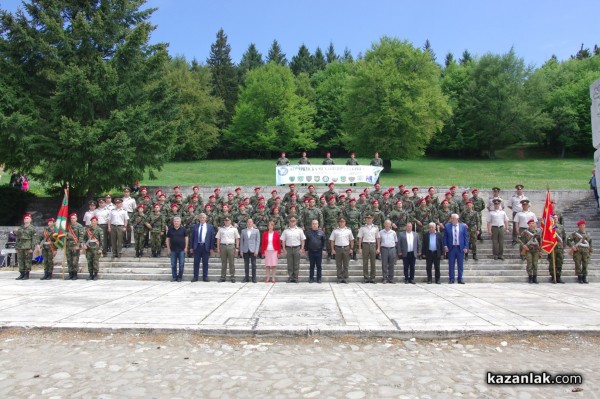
{"points": [[146, 217], [303, 160]]}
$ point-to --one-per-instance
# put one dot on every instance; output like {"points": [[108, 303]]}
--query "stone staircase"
{"points": [[484, 270]]}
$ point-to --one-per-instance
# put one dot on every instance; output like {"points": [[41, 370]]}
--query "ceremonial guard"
{"points": [[478, 206], [74, 245], [530, 248], [342, 245], [559, 249], [331, 214], [328, 160], [156, 224], [92, 239], [514, 204], [353, 220], [303, 159], [138, 223], [581, 246], [282, 160], [471, 219], [117, 225], [352, 162], [48, 249]]}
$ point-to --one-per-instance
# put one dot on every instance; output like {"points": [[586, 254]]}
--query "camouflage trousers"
{"points": [[558, 254], [72, 260], [93, 260], [25, 259], [581, 260], [155, 241], [533, 256], [473, 240], [48, 256], [139, 240]]}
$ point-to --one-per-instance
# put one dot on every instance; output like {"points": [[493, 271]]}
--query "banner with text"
{"points": [[325, 174]]}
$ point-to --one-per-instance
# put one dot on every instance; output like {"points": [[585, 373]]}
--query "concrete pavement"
{"points": [[398, 310]]}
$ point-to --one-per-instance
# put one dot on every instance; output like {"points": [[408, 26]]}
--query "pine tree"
{"points": [[466, 57], [347, 57], [224, 76], [276, 55], [449, 60], [250, 59], [302, 62], [331, 56], [319, 62], [428, 49], [582, 53]]}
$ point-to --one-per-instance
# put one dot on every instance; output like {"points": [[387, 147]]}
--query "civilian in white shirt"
{"points": [[497, 224], [129, 205], [388, 242], [408, 247]]}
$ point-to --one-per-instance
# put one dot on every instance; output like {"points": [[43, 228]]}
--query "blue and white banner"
{"points": [[339, 174]]}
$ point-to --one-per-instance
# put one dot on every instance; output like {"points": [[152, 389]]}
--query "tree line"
{"points": [[85, 98]]}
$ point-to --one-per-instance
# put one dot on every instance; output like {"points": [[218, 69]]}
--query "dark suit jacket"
{"points": [[210, 235], [463, 236], [425, 243], [402, 245]]}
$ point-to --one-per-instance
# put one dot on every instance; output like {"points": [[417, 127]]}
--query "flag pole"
{"points": [[64, 261], [554, 263]]}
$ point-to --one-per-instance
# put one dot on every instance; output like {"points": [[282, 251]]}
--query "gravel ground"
{"points": [[75, 364]]}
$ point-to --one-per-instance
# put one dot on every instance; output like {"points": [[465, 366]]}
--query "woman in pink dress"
{"points": [[270, 248]]}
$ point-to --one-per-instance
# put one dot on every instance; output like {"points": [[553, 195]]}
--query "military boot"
{"points": [[45, 276], [580, 279], [74, 276], [95, 276], [530, 279], [26, 276], [91, 277], [558, 280], [584, 279], [21, 276], [534, 279], [49, 276], [475, 256]]}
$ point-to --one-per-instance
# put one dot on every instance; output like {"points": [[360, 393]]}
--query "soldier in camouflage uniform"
{"points": [[174, 213], [92, 237], [471, 219], [353, 217], [261, 221], [138, 224], [48, 249], [478, 206], [331, 213], [399, 217], [282, 160], [378, 217], [453, 204], [26, 243], [581, 245], [531, 239], [385, 204], [311, 213], [287, 197], [73, 246], [225, 213], [240, 218], [311, 193], [156, 224], [407, 203], [376, 161], [328, 160], [416, 198], [422, 217], [559, 249], [278, 220], [444, 214], [331, 192], [435, 201], [352, 160], [362, 204], [256, 196], [195, 192], [376, 194], [462, 205], [293, 212]]}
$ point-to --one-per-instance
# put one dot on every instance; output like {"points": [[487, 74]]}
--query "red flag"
{"points": [[61, 221], [548, 227]]}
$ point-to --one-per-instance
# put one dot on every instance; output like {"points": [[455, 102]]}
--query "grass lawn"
{"points": [[505, 173]]}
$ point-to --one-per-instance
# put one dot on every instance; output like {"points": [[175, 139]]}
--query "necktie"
{"points": [[455, 235], [200, 234]]}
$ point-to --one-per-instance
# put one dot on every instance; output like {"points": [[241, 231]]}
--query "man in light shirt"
{"points": [[368, 248], [117, 225], [388, 241], [342, 245], [408, 246], [292, 245], [228, 244], [129, 206], [514, 204], [497, 224]]}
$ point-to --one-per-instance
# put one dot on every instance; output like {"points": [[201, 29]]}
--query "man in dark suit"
{"points": [[201, 245], [408, 247], [456, 245], [250, 246], [431, 250]]}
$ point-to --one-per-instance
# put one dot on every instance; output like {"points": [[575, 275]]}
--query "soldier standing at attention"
{"points": [[331, 214], [478, 206], [303, 159], [328, 160], [92, 239], [353, 217], [352, 162], [331, 192], [26, 243], [228, 244], [282, 160], [117, 225], [376, 161], [514, 204], [495, 194], [74, 245], [311, 213], [292, 244], [368, 247], [559, 250], [256, 196], [342, 245], [138, 223], [156, 224], [497, 224], [581, 245], [103, 214], [48, 249], [530, 246], [471, 219], [90, 212], [522, 218], [129, 206]]}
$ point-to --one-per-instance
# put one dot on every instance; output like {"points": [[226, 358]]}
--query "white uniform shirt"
{"points": [[88, 216], [369, 233], [129, 204], [293, 237], [102, 214], [497, 218], [523, 217], [118, 217], [341, 237], [228, 235]]}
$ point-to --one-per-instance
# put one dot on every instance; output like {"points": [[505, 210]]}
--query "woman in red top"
{"points": [[270, 247]]}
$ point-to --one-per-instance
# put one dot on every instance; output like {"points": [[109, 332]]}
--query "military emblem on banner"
{"points": [[334, 179], [317, 179], [369, 179], [343, 179], [300, 179], [309, 178], [325, 179], [351, 179], [292, 178]]}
